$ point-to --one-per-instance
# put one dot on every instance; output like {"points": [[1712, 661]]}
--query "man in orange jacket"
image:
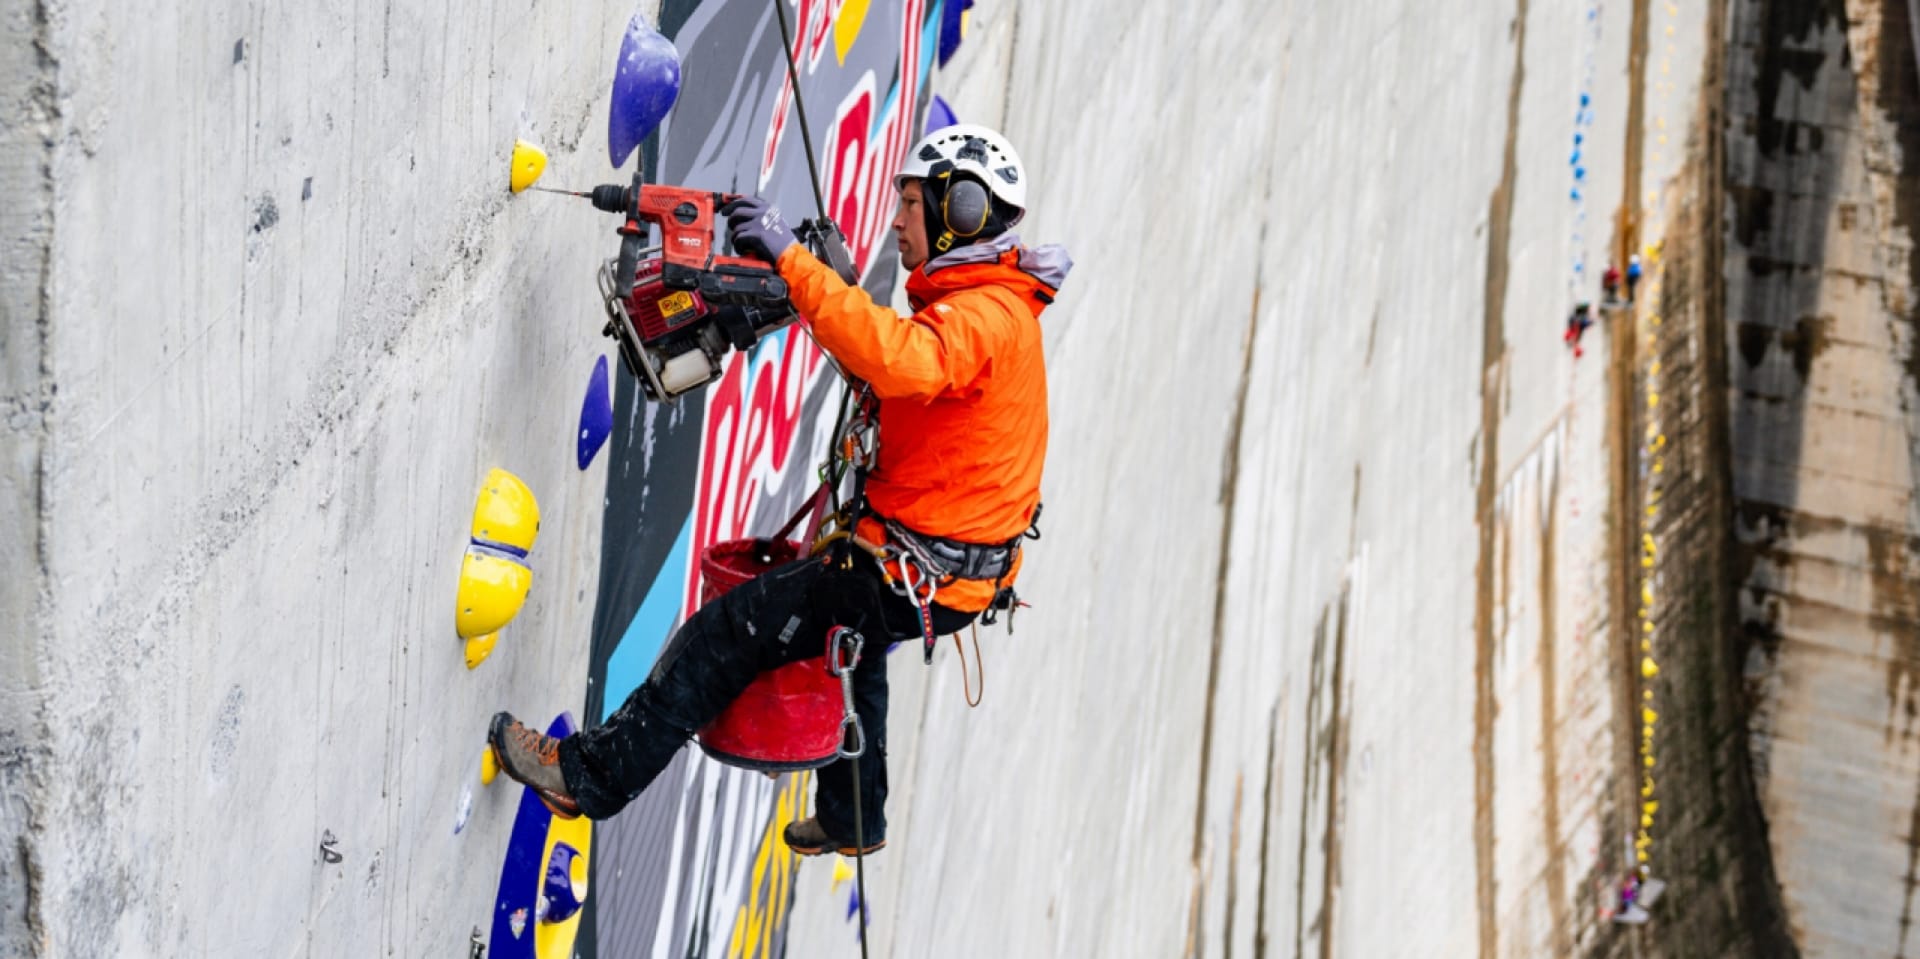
{"points": [[962, 394]]}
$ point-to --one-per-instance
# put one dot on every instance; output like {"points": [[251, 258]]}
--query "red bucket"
{"points": [[788, 718]]}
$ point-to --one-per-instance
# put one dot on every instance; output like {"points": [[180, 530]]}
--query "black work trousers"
{"points": [[779, 617]]}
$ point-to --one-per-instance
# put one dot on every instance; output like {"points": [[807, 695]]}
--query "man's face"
{"points": [[911, 226]]}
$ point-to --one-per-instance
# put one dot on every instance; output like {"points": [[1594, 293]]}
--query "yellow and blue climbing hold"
{"points": [[494, 576]]}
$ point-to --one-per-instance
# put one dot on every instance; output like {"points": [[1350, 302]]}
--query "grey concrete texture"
{"points": [[290, 318], [1322, 656]]}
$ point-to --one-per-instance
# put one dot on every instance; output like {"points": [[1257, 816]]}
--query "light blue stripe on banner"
{"points": [[633, 659]]}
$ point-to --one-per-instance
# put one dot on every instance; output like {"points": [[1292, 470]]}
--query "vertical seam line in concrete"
{"points": [[1493, 348], [1550, 824], [1229, 494], [1336, 771], [1266, 835], [28, 224]]}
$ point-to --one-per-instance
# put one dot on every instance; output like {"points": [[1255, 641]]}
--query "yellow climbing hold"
{"points": [[1648, 716], [1647, 789], [506, 513], [480, 647], [1649, 762], [529, 162], [846, 27], [489, 766], [841, 873], [1648, 667], [492, 590], [1650, 807]]}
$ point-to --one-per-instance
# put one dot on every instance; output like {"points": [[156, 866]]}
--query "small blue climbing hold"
{"points": [[1579, 173], [1575, 159], [1579, 138], [646, 81], [1584, 100], [950, 27], [939, 115], [1575, 194], [596, 414]]}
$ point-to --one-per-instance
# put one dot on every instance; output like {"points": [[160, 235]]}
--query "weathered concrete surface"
{"points": [[292, 318], [1326, 656], [1821, 344], [26, 234]]}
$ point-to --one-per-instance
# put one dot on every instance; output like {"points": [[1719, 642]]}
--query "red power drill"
{"points": [[676, 307]]}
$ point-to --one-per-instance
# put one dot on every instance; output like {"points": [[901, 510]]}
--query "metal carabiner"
{"points": [[843, 650], [843, 657]]}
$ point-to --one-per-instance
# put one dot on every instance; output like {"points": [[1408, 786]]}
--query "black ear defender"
{"points": [[960, 208]]}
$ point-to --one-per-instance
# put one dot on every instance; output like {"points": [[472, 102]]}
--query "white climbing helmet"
{"points": [[993, 161]]}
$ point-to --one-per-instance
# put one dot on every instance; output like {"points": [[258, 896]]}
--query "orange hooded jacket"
{"points": [[962, 386]]}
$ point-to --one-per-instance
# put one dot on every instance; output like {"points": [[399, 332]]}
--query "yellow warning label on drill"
{"points": [[674, 306]]}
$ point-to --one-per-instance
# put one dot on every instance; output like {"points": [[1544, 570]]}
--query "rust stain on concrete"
{"points": [[1492, 352]]}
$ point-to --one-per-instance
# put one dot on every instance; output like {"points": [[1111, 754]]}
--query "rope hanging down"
{"points": [[825, 232]]}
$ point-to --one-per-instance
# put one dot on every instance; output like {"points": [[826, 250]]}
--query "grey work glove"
{"points": [[757, 228]]}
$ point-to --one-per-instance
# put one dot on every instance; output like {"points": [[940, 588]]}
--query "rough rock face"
{"points": [[1823, 143]]}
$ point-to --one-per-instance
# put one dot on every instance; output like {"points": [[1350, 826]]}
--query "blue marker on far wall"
{"points": [[596, 414]]}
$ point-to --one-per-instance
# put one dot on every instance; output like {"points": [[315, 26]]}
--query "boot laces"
{"points": [[544, 748]]}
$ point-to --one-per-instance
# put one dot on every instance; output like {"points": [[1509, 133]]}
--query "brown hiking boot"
{"points": [[532, 759], [806, 837]]}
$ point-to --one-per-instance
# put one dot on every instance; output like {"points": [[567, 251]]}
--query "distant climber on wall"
{"points": [[962, 408], [1577, 323]]}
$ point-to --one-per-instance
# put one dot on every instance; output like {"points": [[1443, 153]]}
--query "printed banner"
{"points": [[696, 866]]}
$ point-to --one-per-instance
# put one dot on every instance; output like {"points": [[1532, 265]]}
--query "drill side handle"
{"points": [[633, 236]]}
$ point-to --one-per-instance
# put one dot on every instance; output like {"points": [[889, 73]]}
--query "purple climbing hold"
{"points": [[939, 115], [950, 28], [646, 81], [596, 414]]}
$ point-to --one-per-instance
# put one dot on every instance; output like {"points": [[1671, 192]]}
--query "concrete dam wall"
{"points": [[1370, 618]]}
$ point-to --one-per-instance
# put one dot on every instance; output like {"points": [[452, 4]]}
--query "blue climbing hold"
{"points": [[939, 115], [1575, 195], [1579, 138], [646, 81], [596, 414], [951, 27], [1575, 159], [1584, 100], [1579, 173]]}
